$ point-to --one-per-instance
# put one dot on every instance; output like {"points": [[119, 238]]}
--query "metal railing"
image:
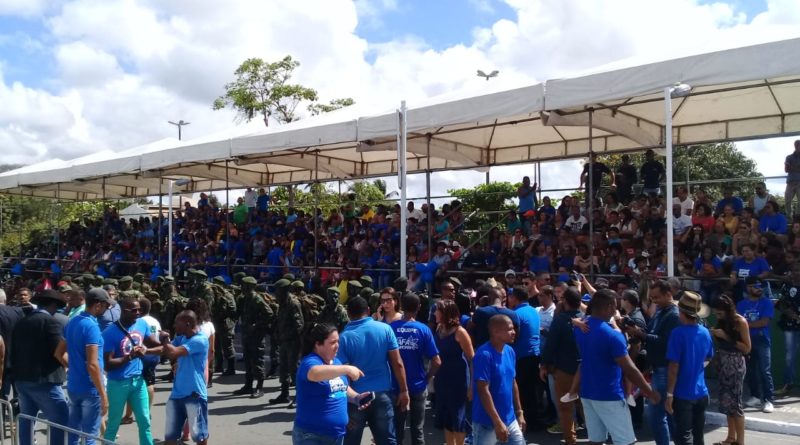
{"points": [[84, 437], [7, 415]]}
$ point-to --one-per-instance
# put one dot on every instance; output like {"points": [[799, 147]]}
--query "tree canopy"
{"points": [[264, 89]]}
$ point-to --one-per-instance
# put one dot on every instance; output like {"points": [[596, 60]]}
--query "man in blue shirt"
{"points": [[371, 346], [416, 344], [689, 351], [478, 326], [758, 310], [497, 416], [188, 400], [526, 348], [604, 358], [527, 196], [81, 353], [728, 199], [126, 343]]}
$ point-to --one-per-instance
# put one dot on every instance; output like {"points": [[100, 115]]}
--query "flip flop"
{"points": [[126, 420]]}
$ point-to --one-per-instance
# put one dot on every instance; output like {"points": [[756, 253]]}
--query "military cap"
{"points": [[354, 283], [65, 288], [110, 281], [201, 273], [219, 279], [289, 277], [87, 277], [334, 290], [283, 282], [169, 279], [365, 279], [160, 278], [367, 293], [249, 280], [99, 278], [152, 295], [298, 284], [67, 278], [455, 281], [78, 279], [239, 275], [126, 279], [191, 271], [138, 276]]}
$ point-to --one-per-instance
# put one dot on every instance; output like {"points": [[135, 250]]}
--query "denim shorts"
{"points": [[192, 408], [604, 417], [485, 435]]}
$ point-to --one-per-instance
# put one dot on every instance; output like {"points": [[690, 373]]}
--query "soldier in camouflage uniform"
{"points": [[289, 328], [353, 288], [256, 319], [174, 304], [199, 287], [333, 313], [140, 284], [126, 288], [224, 317]]}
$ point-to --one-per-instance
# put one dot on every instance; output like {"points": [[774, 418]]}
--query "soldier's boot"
{"points": [[246, 389], [259, 390], [273, 369], [231, 367], [283, 397]]}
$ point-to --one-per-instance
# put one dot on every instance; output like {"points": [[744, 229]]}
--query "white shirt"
{"points": [[681, 225], [207, 329], [687, 205], [152, 324], [416, 213], [250, 198], [546, 316], [576, 224]]}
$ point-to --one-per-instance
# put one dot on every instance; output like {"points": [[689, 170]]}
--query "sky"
{"points": [[82, 76]]}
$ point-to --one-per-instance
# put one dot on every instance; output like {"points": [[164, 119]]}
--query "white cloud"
{"points": [[23, 8]]}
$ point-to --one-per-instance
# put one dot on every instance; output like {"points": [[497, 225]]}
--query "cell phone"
{"points": [[367, 399]]}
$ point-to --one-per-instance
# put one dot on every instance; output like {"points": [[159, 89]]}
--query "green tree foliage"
{"points": [[703, 163], [495, 197], [264, 89], [359, 193]]}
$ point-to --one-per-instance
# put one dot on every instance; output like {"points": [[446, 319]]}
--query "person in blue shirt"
{"points": [[689, 350], [527, 196], [747, 265], [478, 327], [604, 358], [416, 344], [188, 399], [771, 220], [81, 353], [758, 310], [527, 350], [372, 347], [323, 390], [729, 199], [126, 342], [497, 415]]}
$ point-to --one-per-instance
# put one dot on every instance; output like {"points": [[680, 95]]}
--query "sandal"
{"points": [[127, 420]]}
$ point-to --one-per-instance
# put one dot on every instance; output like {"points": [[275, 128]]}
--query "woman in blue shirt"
{"points": [[323, 390]]}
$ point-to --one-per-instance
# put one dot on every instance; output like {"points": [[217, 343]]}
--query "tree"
{"points": [[706, 162], [264, 89], [493, 197]]}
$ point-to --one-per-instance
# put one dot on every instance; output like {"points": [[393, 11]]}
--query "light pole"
{"points": [[677, 90], [179, 182], [179, 124]]}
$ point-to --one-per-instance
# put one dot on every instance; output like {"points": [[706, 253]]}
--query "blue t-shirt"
{"points": [[481, 319], [690, 346], [773, 223], [321, 406], [109, 316], [601, 376], [754, 310], [499, 370], [539, 264], [743, 269], [365, 344], [527, 343], [416, 343], [79, 333], [190, 378], [120, 345], [527, 202]]}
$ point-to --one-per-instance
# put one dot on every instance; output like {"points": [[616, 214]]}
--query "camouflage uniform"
{"points": [[256, 319], [224, 318], [200, 288], [173, 305], [333, 313], [289, 328], [126, 288], [143, 286]]}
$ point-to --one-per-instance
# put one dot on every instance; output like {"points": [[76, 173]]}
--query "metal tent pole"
{"points": [[314, 212], [668, 210], [590, 199], [57, 220], [401, 179], [429, 213], [228, 218], [160, 243]]}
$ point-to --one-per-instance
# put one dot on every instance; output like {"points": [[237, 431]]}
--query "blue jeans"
{"points": [[193, 410], [660, 423], [485, 435], [759, 368], [303, 437], [84, 415], [416, 416], [792, 346], [50, 400], [379, 416]]}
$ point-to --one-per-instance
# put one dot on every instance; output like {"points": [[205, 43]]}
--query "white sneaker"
{"points": [[767, 408], [631, 400], [752, 402]]}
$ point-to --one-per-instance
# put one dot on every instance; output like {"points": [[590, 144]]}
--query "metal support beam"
{"points": [[401, 178]]}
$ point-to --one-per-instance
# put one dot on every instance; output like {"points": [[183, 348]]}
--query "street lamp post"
{"points": [[677, 90], [179, 182], [179, 124]]}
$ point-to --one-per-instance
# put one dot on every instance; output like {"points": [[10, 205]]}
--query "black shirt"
{"points": [[36, 337], [9, 316], [560, 349], [597, 173], [651, 174], [626, 177]]}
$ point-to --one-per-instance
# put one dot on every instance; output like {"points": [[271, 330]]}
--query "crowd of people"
{"points": [[494, 331]]}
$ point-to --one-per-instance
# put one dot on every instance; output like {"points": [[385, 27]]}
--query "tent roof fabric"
{"points": [[738, 94]]}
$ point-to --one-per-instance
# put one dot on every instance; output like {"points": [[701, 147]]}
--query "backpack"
{"points": [[311, 306]]}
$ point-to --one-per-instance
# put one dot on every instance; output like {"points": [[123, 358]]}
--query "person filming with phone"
{"points": [[323, 390]]}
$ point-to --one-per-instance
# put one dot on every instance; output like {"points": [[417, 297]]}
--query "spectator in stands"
{"points": [[703, 217], [771, 220], [656, 337], [527, 196], [683, 199], [372, 347], [792, 169], [81, 353], [496, 410], [681, 222], [626, 179], [689, 350], [598, 170], [652, 173], [747, 265], [39, 376], [759, 198], [789, 307], [758, 310], [729, 200]]}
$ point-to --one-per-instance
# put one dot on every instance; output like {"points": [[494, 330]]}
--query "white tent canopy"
{"points": [[744, 93], [134, 211]]}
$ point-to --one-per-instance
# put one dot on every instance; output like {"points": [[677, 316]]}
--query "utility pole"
{"points": [[179, 124]]}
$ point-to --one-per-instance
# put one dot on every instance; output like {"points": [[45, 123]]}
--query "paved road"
{"points": [[241, 420]]}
